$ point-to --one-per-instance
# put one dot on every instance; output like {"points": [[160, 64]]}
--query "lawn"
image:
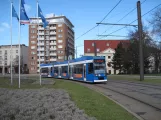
{"points": [[93, 103], [5, 82], [147, 78]]}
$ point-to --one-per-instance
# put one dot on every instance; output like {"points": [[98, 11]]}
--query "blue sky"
{"points": [[84, 14]]}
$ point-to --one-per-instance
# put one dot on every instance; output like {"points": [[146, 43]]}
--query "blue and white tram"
{"points": [[46, 70], [87, 69]]}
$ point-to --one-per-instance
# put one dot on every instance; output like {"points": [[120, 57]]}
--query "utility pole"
{"points": [[141, 41]]}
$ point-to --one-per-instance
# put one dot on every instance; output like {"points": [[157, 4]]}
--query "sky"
{"points": [[84, 14]]}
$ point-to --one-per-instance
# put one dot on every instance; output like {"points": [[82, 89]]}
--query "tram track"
{"points": [[137, 84], [134, 98]]}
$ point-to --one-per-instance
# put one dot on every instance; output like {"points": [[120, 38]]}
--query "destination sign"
{"points": [[99, 61]]}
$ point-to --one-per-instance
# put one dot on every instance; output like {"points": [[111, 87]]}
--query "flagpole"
{"points": [[38, 41], [11, 45], [19, 38]]}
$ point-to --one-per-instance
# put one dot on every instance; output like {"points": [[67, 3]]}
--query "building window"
{"points": [[107, 44], [60, 57], [59, 25], [33, 31], [109, 64], [98, 49], [92, 44], [60, 46], [33, 36], [33, 53], [16, 51], [33, 42], [0, 52], [33, 26], [60, 51], [33, 58], [0, 62], [60, 41], [60, 35], [60, 30], [109, 57], [88, 50], [33, 47]]}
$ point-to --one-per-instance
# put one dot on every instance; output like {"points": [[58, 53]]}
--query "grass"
{"points": [[25, 84], [93, 103], [147, 79]]}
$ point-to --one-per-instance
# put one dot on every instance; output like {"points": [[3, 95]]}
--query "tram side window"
{"points": [[78, 69], [90, 68], [56, 69], [64, 69]]}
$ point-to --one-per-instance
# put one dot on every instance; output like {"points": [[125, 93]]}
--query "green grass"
{"points": [[147, 79], [93, 103], [25, 84]]}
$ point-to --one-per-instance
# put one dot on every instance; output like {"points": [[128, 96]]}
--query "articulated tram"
{"points": [[87, 69]]}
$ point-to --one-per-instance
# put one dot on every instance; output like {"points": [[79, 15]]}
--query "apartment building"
{"points": [[103, 48], [5, 58], [54, 43]]}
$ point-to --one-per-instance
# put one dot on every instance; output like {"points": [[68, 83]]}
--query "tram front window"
{"points": [[99, 66]]}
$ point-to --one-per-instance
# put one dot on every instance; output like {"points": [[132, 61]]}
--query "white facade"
{"points": [[5, 56], [108, 53]]}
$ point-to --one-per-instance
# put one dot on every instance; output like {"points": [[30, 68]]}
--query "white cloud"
{"points": [[49, 15], [6, 25], [27, 8]]}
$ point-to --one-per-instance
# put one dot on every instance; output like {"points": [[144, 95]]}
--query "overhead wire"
{"points": [[123, 17], [135, 20], [101, 20]]}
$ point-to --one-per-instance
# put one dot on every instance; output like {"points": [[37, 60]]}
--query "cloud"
{"points": [[49, 15], [27, 8], [6, 25]]}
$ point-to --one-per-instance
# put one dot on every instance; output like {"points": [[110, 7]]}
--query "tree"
{"points": [[156, 22]]}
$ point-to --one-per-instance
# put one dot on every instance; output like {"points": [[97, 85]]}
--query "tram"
{"points": [[47, 70], [87, 69]]}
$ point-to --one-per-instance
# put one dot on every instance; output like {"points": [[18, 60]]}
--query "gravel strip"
{"points": [[39, 104]]}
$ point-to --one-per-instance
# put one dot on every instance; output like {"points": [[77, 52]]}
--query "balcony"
{"points": [[52, 33], [41, 44], [52, 38], [41, 54], [53, 59], [53, 43], [40, 28], [40, 60], [40, 33], [40, 38], [52, 48], [52, 28], [53, 54], [40, 49]]}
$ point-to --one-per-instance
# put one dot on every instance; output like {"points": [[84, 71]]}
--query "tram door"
{"points": [[59, 72], [84, 72], [71, 72]]}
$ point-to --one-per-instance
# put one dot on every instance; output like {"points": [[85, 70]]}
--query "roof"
{"points": [[13, 45], [101, 45]]}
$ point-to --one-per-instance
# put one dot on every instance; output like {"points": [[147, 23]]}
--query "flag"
{"points": [[23, 16], [14, 13], [45, 23]]}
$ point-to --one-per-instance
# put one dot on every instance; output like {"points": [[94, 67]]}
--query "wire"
{"points": [[110, 11], [123, 17], [136, 19], [100, 21]]}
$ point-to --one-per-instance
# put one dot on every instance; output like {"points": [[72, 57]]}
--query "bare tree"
{"points": [[156, 22]]}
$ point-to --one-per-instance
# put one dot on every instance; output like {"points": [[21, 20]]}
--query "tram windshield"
{"points": [[99, 66]]}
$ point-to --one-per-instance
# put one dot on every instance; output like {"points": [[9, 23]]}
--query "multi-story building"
{"points": [[54, 43], [5, 58], [103, 48]]}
